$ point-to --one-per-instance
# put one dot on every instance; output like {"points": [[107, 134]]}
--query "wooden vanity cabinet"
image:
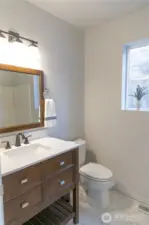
{"points": [[33, 189]]}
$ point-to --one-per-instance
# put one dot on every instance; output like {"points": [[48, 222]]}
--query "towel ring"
{"points": [[46, 93]]}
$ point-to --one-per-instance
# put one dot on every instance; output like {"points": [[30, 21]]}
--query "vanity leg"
{"points": [[76, 205], [76, 189]]}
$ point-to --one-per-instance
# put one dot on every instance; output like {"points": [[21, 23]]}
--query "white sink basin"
{"points": [[44, 146], [24, 155], [23, 151]]}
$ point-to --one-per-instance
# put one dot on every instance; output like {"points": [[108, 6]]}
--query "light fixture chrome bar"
{"points": [[20, 37]]}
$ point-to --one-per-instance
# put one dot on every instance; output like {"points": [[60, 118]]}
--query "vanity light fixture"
{"points": [[19, 40], [14, 37], [33, 44], [1, 35]]}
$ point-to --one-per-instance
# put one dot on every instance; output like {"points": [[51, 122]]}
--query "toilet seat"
{"points": [[96, 172], [94, 179]]}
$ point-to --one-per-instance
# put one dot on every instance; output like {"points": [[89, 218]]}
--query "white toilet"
{"points": [[94, 177]]}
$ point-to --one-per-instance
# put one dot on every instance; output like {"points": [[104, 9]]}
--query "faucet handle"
{"points": [[26, 141], [7, 144]]}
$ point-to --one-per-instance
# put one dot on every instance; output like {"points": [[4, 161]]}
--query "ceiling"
{"points": [[86, 13]]}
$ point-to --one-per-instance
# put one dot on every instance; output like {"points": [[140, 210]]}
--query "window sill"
{"points": [[135, 110]]}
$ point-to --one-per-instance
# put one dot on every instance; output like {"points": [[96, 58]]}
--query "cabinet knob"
{"points": [[24, 205], [62, 163], [62, 182], [24, 181]]}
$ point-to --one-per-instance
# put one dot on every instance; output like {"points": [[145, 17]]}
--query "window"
{"points": [[135, 72]]}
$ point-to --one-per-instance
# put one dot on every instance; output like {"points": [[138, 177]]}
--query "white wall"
{"points": [[62, 54], [119, 139]]}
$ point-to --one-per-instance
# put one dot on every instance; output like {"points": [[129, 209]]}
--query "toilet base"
{"points": [[101, 198]]}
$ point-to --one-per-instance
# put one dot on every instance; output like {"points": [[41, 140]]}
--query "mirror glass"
{"points": [[19, 98]]}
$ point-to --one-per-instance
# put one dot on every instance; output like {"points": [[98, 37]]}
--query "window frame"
{"points": [[125, 61]]}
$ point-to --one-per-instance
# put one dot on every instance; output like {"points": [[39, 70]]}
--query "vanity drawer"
{"points": [[59, 162], [22, 181], [57, 185], [22, 206]]}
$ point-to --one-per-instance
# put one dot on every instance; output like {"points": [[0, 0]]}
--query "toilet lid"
{"points": [[96, 171]]}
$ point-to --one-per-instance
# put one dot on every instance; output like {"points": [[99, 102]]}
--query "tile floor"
{"points": [[123, 211]]}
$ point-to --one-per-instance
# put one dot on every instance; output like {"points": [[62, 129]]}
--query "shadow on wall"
{"points": [[90, 156]]}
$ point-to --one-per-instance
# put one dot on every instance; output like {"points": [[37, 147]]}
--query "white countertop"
{"points": [[14, 160]]}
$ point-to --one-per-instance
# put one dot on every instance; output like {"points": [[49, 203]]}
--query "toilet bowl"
{"points": [[95, 178]]}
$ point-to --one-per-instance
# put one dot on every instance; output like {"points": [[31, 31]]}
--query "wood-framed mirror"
{"points": [[21, 98]]}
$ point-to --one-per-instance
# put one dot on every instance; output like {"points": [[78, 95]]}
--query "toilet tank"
{"points": [[82, 151]]}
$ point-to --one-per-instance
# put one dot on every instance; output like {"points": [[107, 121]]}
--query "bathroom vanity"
{"points": [[36, 176], [35, 191]]}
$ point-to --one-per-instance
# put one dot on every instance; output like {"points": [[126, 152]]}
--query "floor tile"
{"points": [[122, 211]]}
